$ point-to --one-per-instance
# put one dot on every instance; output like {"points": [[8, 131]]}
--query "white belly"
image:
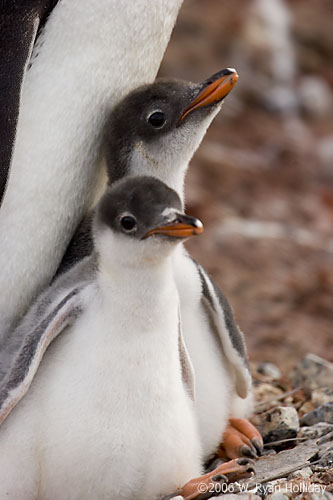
{"points": [[104, 419], [91, 53]]}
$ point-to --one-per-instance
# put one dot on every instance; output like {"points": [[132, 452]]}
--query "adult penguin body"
{"points": [[65, 64], [155, 131]]}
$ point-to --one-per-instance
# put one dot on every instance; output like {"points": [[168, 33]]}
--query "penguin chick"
{"points": [[110, 412]]}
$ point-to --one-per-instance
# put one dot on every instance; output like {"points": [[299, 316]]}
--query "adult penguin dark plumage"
{"points": [[64, 65], [20, 22]]}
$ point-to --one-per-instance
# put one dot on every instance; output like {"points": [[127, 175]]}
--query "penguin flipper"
{"points": [[231, 337], [19, 24], [28, 358]]}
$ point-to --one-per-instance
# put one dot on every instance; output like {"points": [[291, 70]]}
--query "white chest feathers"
{"points": [[108, 415]]}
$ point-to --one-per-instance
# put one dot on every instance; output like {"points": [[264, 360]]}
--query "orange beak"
{"points": [[216, 89], [184, 227]]}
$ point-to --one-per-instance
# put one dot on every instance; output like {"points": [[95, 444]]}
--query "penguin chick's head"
{"points": [[139, 217], [156, 129]]}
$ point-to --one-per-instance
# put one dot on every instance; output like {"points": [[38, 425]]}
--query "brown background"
{"points": [[262, 180]]}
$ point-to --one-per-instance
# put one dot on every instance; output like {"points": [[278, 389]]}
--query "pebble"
{"points": [[301, 474], [269, 370], [279, 423], [322, 395], [323, 413], [325, 462], [313, 372], [315, 431]]}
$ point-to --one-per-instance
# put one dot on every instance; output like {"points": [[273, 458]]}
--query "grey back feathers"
{"points": [[25, 365]]}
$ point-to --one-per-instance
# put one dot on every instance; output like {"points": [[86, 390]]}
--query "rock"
{"points": [[273, 467], [266, 392], [279, 423], [269, 370], [322, 395], [325, 462], [315, 431], [306, 407], [328, 438], [301, 474], [313, 372], [323, 413], [325, 477], [274, 490]]}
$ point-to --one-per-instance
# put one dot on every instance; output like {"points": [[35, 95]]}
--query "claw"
{"points": [[247, 451], [241, 438], [219, 478], [257, 443]]}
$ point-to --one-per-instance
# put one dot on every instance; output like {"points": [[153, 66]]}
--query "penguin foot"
{"points": [[241, 439], [209, 485]]}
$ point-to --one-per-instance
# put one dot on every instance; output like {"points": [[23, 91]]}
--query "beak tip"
{"points": [[215, 90], [198, 226]]}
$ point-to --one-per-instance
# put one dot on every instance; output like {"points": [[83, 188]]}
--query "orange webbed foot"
{"points": [[241, 439]]}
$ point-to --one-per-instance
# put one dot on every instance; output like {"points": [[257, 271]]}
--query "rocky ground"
{"points": [[295, 416], [262, 183]]}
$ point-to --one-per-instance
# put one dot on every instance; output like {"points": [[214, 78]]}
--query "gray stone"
{"points": [[269, 370], [279, 423], [325, 458], [323, 413], [313, 372], [315, 431], [282, 464], [301, 473]]}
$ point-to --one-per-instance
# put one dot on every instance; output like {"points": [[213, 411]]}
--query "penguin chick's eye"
{"points": [[157, 119], [128, 222]]}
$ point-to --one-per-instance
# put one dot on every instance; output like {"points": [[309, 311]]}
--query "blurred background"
{"points": [[262, 180]]}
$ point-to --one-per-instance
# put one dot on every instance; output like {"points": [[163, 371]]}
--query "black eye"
{"points": [[157, 119], [128, 222]]}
